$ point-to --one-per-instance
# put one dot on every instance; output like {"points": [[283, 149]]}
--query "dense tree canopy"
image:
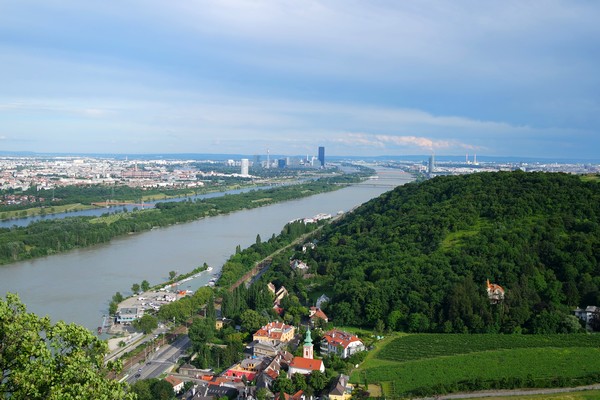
{"points": [[418, 257], [41, 360]]}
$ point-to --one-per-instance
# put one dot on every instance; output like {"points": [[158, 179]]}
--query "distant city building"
{"points": [[281, 163], [322, 156], [431, 169], [245, 166]]}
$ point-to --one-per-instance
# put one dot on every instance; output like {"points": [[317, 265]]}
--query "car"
{"points": [[137, 375], [140, 370]]}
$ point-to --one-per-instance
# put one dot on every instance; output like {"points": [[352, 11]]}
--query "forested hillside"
{"points": [[417, 258]]}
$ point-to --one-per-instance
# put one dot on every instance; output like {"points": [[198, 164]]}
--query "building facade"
{"points": [[342, 343], [322, 156]]}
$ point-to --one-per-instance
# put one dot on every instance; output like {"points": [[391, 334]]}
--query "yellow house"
{"points": [[342, 390], [275, 332]]}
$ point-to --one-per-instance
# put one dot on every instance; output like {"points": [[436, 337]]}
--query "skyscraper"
{"points": [[245, 165], [431, 164], [322, 156]]}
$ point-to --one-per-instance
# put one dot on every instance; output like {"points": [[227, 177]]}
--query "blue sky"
{"points": [[499, 78]]}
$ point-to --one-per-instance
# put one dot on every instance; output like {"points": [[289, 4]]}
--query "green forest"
{"points": [[417, 258]]}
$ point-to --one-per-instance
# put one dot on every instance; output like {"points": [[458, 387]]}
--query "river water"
{"points": [[77, 286]]}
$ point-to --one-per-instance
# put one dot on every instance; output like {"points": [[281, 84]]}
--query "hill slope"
{"points": [[417, 258]]}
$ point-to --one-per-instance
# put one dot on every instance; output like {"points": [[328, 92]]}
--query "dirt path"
{"points": [[516, 392]]}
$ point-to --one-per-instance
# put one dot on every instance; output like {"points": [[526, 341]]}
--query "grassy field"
{"points": [[416, 347], [411, 362], [583, 395], [44, 210]]}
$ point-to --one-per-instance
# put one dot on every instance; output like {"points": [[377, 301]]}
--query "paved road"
{"points": [[160, 362], [505, 393]]}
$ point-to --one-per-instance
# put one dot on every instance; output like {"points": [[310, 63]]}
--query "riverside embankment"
{"points": [[77, 286]]}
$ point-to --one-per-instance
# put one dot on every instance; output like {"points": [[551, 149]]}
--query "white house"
{"points": [[342, 343], [175, 382], [586, 314]]}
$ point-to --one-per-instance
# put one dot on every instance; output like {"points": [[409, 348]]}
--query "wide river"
{"points": [[77, 286]]}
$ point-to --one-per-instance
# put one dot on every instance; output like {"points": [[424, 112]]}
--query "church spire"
{"points": [[308, 345]]}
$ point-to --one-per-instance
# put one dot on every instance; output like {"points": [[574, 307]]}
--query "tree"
{"points": [[135, 288], [283, 384], [201, 331], [317, 380], [211, 313], [118, 297], [145, 285], [172, 275], [594, 321], [151, 389], [261, 394], [251, 320], [299, 382], [40, 360], [146, 324]]}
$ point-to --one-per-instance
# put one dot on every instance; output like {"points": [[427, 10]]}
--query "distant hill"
{"points": [[417, 258]]}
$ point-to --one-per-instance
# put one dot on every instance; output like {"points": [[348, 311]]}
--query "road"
{"points": [[160, 362]]}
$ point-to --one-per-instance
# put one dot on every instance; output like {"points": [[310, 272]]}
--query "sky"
{"points": [[492, 78]]}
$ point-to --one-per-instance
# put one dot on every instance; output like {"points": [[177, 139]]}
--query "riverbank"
{"points": [[45, 238]]}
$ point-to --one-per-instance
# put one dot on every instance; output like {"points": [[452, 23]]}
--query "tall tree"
{"points": [[40, 360]]}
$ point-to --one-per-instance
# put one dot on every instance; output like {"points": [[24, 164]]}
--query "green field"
{"points": [[582, 395], [29, 212], [438, 363], [416, 347]]}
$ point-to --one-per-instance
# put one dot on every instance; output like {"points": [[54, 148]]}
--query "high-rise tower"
{"points": [[322, 156], [431, 164], [245, 166]]}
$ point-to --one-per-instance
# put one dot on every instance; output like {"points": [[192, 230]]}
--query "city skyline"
{"points": [[496, 79]]}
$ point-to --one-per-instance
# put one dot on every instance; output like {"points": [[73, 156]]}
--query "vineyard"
{"points": [[423, 365], [417, 347]]}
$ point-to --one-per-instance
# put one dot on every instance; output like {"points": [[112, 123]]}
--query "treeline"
{"points": [[87, 194], [52, 236], [244, 260], [417, 258]]}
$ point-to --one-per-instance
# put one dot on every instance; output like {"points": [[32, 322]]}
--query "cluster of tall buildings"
{"points": [[283, 162]]}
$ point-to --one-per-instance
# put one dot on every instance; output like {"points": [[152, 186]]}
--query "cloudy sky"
{"points": [[498, 78]]}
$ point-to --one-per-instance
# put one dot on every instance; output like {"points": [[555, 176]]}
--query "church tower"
{"points": [[308, 346]]}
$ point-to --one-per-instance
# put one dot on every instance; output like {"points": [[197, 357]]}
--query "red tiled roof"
{"points": [[318, 313], [272, 373], [273, 330], [173, 380], [306, 363], [340, 338]]}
